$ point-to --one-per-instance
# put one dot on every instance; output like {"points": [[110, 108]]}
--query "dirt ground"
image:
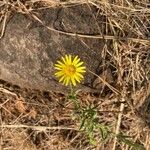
{"points": [[33, 119], [111, 37]]}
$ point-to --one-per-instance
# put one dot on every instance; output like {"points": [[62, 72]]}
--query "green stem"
{"points": [[71, 89], [73, 97]]}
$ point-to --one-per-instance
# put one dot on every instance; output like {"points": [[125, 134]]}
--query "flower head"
{"points": [[69, 70]]}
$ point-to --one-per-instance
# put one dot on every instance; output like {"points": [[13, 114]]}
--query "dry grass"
{"points": [[128, 27]]}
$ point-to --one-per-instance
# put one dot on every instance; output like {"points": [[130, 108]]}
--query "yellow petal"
{"points": [[58, 68], [76, 60], [61, 79], [64, 60], [60, 63], [80, 69], [79, 75], [79, 64], [67, 59], [67, 80], [64, 81], [70, 60], [77, 78], [59, 74], [73, 81]]}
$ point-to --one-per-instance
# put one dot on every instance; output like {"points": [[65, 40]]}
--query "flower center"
{"points": [[70, 70]]}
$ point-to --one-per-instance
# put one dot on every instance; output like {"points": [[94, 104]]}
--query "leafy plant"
{"points": [[90, 124], [127, 140]]}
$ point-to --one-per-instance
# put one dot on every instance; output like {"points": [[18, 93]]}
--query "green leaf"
{"points": [[131, 143], [82, 124], [92, 141], [103, 131], [72, 97]]}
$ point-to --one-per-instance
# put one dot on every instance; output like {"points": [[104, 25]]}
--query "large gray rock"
{"points": [[29, 50]]}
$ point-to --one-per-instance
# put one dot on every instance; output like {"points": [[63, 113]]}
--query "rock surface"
{"points": [[29, 50]]}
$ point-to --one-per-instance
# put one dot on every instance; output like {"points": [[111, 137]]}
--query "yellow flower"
{"points": [[69, 70]]}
